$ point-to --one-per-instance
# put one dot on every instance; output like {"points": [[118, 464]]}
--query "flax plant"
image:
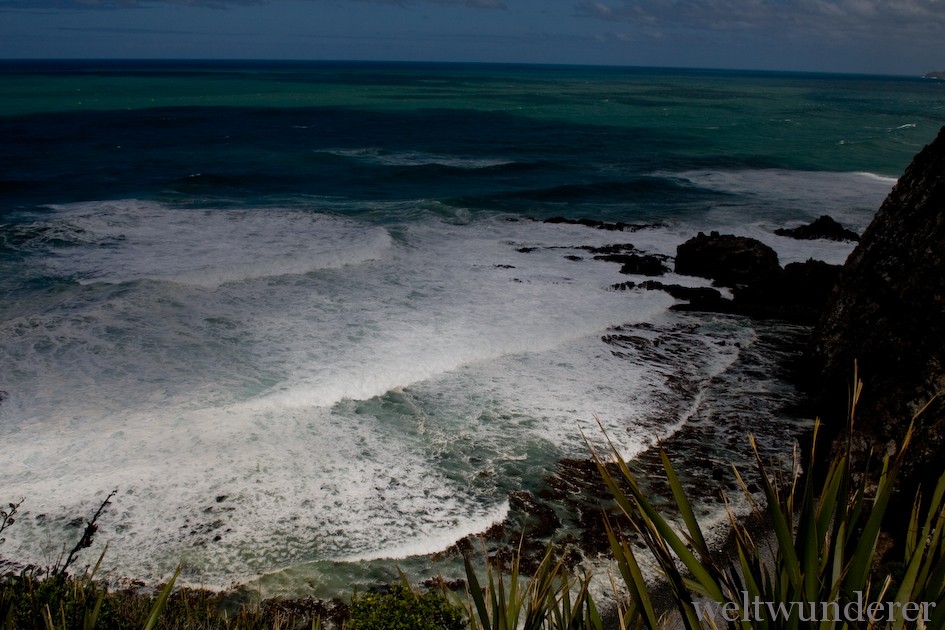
{"points": [[551, 599], [816, 562]]}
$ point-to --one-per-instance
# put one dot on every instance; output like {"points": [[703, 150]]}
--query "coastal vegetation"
{"points": [[822, 560]]}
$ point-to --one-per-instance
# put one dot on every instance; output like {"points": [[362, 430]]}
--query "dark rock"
{"points": [[642, 264], [577, 485], [632, 260], [620, 226], [824, 227], [544, 521], [699, 298], [888, 316], [809, 284], [649, 265], [760, 287], [727, 259], [684, 293], [617, 248], [798, 293], [936, 75], [574, 258]]}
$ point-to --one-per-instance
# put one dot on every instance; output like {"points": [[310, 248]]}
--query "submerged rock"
{"points": [[824, 228], [619, 226]]}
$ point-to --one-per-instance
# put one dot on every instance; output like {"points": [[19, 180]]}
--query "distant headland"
{"points": [[935, 75]]}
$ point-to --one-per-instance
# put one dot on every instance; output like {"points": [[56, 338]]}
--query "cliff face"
{"points": [[887, 313]]}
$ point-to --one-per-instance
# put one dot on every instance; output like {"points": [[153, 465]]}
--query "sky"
{"points": [[904, 37]]}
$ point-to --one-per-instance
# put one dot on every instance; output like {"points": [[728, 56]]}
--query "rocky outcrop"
{"points": [[760, 287], [699, 298], [825, 228], [797, 293], [630, 259], [644, 265], [935, 75], [728, 260], [888, 315]]}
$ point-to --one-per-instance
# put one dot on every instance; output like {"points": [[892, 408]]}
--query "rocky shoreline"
{"points": [[884, 308], [783, 304], [755, 395]]}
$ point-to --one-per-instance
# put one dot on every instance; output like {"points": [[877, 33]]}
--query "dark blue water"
{"points": [[502, 133]]}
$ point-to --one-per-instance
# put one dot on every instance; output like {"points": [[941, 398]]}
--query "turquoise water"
{"points": [[306, 320]]}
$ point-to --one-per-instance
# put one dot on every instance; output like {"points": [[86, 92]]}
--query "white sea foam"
{"points": [[431, 542], [120, 241], [229, 414], [372, 408], [239, 496], [776, 195], [765, 200], [888, 181]]}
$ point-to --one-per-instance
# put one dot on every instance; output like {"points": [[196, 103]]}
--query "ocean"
{"points": [[308, 319]]}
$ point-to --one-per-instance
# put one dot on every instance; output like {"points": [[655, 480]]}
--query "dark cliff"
{"points": [[887, 314]]}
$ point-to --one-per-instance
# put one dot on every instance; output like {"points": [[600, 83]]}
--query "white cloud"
{"points": [[814, 16]]}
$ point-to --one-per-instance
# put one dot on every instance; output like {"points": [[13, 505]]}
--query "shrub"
{"points": [[405, 609], [7, 514]]}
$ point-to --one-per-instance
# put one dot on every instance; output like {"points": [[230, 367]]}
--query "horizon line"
{"points": [[274, 60]]}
